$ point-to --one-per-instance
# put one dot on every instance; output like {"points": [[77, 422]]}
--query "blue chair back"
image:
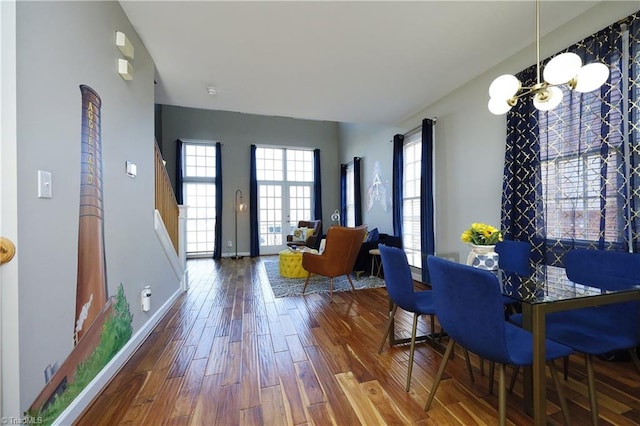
{"points": [[469, 306], [397, 277], [606, 269], [514, 257]]}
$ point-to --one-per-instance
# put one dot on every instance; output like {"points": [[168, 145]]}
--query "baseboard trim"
{"points": [[89, 393]]}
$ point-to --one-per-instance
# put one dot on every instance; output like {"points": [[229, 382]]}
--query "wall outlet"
{"points": [[229, 243]]}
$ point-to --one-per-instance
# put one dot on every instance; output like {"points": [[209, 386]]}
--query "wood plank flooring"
{"points": [[229, 353]]}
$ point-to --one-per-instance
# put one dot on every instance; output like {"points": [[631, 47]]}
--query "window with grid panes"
{"points": [[411, 224], [285, 187], [199, 193], [350, 220]]}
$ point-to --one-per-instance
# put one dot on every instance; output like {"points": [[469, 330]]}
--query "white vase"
{"points": [[483, 257]]}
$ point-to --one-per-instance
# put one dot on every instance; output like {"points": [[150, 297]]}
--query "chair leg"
{"points": [[593, 398], [502, 394], [306, 282], [560, 391], [351, 282], [413, 348], [492, 367], [634, 358], [388, 327], [436, 380], [331, 288], [565, 367], [482, 366], [516, 370], [468, 361]]}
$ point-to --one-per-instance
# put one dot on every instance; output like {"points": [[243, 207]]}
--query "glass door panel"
{"points": [[270, 209]]}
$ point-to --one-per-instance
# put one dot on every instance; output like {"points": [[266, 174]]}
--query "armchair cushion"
{"points": [[309, 238]]}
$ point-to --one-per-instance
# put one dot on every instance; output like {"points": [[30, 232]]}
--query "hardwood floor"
{"points": [[229, 353]]}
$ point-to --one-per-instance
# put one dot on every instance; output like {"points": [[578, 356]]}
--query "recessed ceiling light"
{"points": [[212, 91]]}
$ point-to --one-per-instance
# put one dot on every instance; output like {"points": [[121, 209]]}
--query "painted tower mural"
{"points": [[91, 289], [102, 324]]}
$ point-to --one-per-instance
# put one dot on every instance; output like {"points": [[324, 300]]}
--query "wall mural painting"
{"points": [[379, 190], [102, 324]]}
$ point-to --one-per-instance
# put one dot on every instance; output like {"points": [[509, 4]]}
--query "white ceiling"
{"points": [[350, 61]]}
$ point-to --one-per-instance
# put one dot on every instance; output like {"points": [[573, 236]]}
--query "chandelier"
{"points": [[564, 69]]}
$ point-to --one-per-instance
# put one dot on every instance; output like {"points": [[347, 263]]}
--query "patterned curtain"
{"points": [[569, 173], [633, 26]]}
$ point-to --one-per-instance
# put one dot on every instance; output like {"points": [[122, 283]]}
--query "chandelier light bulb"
{"points": [[562, 68], [498, 106], [547, 99], [591, 76], [504, 87]]}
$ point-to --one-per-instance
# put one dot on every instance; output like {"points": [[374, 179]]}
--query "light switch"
{"points": [[44, 184]]}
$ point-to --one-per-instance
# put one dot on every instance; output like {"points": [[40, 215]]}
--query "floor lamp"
{"points": [[240, 206]]}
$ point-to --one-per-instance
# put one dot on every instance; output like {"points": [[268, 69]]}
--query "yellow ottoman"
{"points": [[290, 262]]}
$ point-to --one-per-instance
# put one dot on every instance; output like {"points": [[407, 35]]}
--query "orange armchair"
{"points": [[341, 249]]}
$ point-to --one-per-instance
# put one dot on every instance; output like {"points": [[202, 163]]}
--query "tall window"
{"points": [[199, 193], [411, 228], [350, 219], [571, 173], [285, 190]]}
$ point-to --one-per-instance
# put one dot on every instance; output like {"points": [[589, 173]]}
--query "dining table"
{"points": [[549, 290]]}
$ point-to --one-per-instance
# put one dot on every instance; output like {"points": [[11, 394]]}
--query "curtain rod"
{"points": [[434, 119]]}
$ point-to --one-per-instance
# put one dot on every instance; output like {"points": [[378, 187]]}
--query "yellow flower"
{"points": [[481, 234]]}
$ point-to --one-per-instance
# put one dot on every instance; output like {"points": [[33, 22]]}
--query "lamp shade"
{"points": [[548, 98], [504, 87], [591, 76], [498, 106], [562, 68]]}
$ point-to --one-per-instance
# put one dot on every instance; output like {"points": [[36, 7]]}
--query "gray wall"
{"points": [[61, 45], [373, 144], [466, 131], [237, 132]]}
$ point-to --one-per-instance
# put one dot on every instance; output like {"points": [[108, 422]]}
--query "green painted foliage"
{"points": [[116, 332]]}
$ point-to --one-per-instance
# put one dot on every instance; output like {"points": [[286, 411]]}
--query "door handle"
{"points": [[7, 250]]}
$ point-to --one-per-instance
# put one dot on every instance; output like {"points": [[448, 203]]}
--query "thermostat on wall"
{"points": [[131, 169]]}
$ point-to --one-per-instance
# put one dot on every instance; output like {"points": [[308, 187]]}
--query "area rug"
{"points": [[286, 287]]}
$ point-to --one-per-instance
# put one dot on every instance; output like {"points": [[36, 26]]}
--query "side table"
{"points": [[376, 261]]}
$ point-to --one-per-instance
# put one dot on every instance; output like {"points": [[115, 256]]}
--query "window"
{"points": [[571, 173], [582, 169], [411, 228], [350, 220], [285, 189], [199, 193]]}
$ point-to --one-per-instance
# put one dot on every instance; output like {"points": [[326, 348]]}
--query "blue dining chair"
{"points": [[468, 302], [602, 329], [399, 283], [514, 264]]}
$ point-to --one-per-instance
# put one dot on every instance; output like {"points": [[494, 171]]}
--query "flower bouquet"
{"points": [[482, 238], [481, 234]]}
